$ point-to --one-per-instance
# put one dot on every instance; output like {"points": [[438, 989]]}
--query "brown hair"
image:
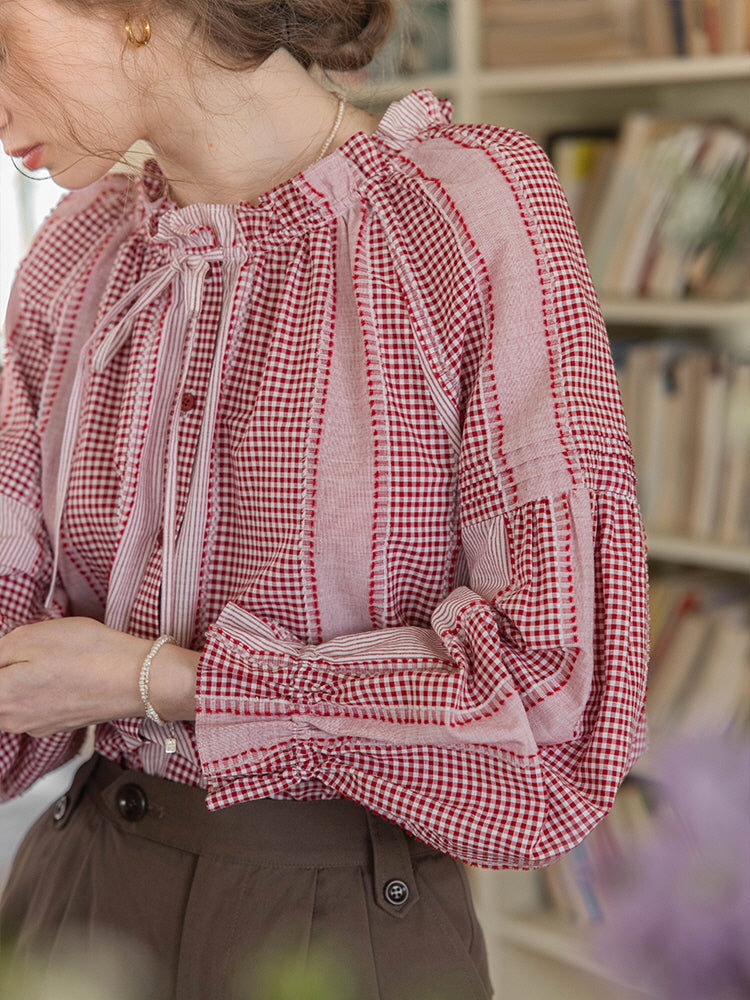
{"points": [[333, 34], [337, 35]]}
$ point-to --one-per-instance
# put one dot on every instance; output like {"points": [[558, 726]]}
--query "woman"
{"points": [[317, 502]]}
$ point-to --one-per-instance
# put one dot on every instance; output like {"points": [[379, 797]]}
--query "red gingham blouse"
{"points": [[362, 445]]}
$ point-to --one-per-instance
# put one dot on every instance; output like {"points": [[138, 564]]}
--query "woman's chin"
{"points": [[79, 174]]}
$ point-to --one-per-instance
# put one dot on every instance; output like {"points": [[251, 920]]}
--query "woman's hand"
{"points": [[60, 675]]}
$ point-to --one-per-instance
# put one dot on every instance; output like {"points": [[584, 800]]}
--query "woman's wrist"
{"points": [[171, 682]]}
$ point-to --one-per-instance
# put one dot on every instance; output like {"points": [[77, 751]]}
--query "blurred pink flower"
{"points": [[679, 919]]}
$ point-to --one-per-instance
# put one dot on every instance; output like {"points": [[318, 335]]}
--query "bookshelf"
{"points": [[680, 550], [638, 72], [473, 90], [536, 949], [732, 316]]}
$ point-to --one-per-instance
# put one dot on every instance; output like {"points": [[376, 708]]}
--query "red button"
{"points": [[188, 402]]}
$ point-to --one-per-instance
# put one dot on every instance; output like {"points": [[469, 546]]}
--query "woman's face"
{"points": [[68, 99]]}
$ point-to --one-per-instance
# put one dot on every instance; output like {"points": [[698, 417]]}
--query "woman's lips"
{"points": [[31, 156]]}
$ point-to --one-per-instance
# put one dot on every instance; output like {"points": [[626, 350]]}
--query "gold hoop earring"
{"points": [[145, 36]]}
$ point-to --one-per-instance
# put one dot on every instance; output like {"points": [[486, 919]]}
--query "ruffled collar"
{"points": [[297, 205]]}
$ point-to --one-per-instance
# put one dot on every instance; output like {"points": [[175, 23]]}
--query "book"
{"points": [[709, 439], [624, 181], [670, 597], [637, 364], [700, 656], [675, 479], [678, 26], [653, 396], [582, 160], [712, 25], [668, 159], [718, 702], [733, 518], [625, 28], [660, 41], [734, 25], [688, 412], [531, 32], [672, 675], [695, 27], [699, 687], [671, 218], [569, 885]]}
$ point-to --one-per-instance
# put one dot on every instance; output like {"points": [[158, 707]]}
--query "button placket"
{"points": [[394, 883]]}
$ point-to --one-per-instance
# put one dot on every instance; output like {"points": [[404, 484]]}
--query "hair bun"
{"points": [[339, 35]]}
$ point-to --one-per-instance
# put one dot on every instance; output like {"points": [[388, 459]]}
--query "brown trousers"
{"points": [[266, 900]]}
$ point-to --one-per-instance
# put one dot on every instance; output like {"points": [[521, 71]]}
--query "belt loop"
{"points": [[393, 874]]}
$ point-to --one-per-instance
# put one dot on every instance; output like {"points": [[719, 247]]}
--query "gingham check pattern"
{"points": [[362, 445]]}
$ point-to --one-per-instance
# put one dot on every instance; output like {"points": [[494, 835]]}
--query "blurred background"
{"points": [[644, 108], [23, 204]]}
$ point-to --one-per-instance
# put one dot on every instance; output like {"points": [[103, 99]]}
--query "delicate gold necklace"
{"points": [[332, 134]]}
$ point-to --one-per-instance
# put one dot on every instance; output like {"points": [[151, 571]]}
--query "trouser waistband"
{"points": [[272, 833]]}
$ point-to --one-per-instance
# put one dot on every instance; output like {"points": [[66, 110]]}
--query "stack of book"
{"points": [[699, 676], [663, 209], [696, 27], [531, 32], [688, 411]]}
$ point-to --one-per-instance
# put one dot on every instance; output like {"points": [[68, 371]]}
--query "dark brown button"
{"points": [[188, 402], [396, 892], [132, 803]]}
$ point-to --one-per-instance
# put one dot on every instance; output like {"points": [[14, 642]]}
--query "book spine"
{"points": [[677, 20]]}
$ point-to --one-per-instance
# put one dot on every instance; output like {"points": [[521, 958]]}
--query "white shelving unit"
{"points": [[710, 555], [630, 73], [533, 955], [687, 313]]}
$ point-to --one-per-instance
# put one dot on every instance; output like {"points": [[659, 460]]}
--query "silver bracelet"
{"points": [[170, 743]]}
